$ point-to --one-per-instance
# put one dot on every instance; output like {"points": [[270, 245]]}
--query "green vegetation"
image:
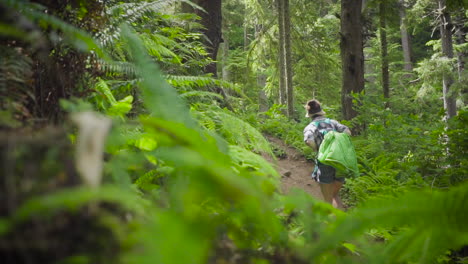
{"points": [[183, 175]]}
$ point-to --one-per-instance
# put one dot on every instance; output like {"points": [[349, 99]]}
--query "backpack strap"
{"points": [[327, 121]]}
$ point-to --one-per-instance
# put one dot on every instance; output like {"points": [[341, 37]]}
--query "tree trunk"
{"points": [[225, 71], [281, 53], [246, 34], [211, 21], [447, 50], [261, 78], [288, 66], [383, 49], [351, 55], [461, 39], [405, 37], [262, 97]]}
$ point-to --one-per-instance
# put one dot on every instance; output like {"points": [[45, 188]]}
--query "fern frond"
{"points": [[156, 49], [200, 94], [72, 199], [15, 76], [251, 161], [119, 67], [80, 39], [130, 13], [147, 180], [200, 81], [430, 223], [235, 130]]}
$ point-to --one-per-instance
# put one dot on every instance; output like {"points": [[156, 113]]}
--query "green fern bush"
{"points": [[15, 75], [233, 129], [181, 178]]}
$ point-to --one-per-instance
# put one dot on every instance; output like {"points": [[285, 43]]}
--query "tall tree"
{"points": [[405, 37], [384, 49], [352, 55], [460, 39], [445, 28], [281, 53], [261, 76], [288, 65], [225, 71], [211, 18]]}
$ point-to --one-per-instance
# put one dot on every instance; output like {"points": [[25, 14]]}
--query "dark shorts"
{"points": [[325, 174]]}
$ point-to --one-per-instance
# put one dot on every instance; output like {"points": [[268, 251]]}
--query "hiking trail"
{"points": [[295, 170]]}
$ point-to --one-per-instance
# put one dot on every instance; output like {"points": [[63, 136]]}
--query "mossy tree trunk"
{"points": [[281, 53], [288, 64], [445, 28], [405, 37], [384, 49], [352, 55]]}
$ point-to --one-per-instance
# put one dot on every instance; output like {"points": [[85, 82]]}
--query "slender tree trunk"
{"points": [[225, 71], [262, 97], [246, 33], [405, 37], [383, 49], [461, 39], [351, 55], [261, 78], [281, 53], [288, 66], [447, 50]]}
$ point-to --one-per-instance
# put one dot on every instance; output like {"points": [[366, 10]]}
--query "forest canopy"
{"points": [[147, 131]]}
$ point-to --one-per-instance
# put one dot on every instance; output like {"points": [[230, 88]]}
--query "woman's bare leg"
{"points": [[336, 200], [327, 191]]}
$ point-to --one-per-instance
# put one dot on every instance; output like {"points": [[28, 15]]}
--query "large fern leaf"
{"points": [[201, 81], [252, 161], [430, 223], [235, 130], [77, 37]]}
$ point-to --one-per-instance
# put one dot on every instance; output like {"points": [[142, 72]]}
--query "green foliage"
{"points": [[15, 71], [420, 215], [251, 161], [233, 129], [184, 175], [107, 102], [79, 38]]}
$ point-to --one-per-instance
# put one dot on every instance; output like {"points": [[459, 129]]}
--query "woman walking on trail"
{"points": [[325, 175]]}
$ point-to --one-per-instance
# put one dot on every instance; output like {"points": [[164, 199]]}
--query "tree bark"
{"points": [[246, 34], [447, 51], [461, 39], [262, 97], [352, 55], [384, 50], [288, 65], [405, 37], [225, 71], [211, 21], [261, 78], [281, 53]]}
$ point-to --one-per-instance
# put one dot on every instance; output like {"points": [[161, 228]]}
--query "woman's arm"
{"points": [[347, 131], [311, 143]]}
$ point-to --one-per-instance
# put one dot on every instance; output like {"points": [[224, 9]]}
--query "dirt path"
{"points": [[295, 170]]}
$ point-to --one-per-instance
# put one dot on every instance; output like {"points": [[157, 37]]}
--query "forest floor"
{"points": [[295, 169]]}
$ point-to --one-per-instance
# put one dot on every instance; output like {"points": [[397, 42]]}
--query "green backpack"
{"points": [[337, 150]]}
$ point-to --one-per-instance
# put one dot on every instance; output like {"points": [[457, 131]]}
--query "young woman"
{"points": [[330, 183]]}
